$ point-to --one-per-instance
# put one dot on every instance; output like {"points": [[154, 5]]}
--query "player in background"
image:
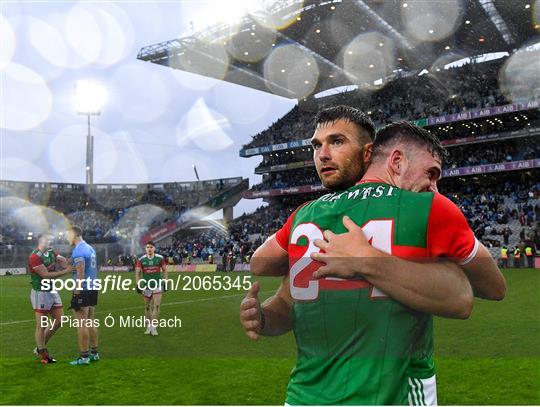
{"points": [[84, 301], [43, 263], [151, 284], [416, 286]]}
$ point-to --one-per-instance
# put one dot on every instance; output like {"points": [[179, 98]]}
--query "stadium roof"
{"points": [[297, 49]]}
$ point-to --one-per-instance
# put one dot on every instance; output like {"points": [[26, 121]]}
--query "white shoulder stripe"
{"points": [[472, 254]]}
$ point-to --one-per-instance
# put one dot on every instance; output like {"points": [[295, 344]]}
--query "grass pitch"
{"points": [[492, 358]]}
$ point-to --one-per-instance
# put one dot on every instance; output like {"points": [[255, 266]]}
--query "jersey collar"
{"points": [[370, 180]]}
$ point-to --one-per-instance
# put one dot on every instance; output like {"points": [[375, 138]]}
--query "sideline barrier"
{"points": [[192, 268], [122, 269], [12, 271]]}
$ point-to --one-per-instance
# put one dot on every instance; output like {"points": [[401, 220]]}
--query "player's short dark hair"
{"points": [[408, 133], [77, 230], [151, 243], [342, 112]]}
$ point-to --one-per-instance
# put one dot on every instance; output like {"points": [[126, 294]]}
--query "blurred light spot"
{"points": [[294, 61], [117, 30], [251, 108], [145, 102], [432, 21], [48, 42], [536, 14], [252, 46], [89, 97], [29, 102], [138, 217], [18, 169], [67, 151], [204, 127], [519, 78], [365, 62], [9, 42], [83, 32], [206, 59]]}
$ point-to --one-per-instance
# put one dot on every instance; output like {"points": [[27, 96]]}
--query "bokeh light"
{"points": [[253, 44], [136, 220], [143, 103], [291, 71], [428, 21], [89, 97], [49, 42], [27, 217], [536, 15], [83, 32], [20, 169], [369, 60], [9, 42], [289, 15], [203, 127], [118, 32], [73, 139], [519, 78], [30, 100], [202, 58], [249, 109]]}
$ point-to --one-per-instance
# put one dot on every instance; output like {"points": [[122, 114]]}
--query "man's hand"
{"points": [[344, 254], [250, 312]]}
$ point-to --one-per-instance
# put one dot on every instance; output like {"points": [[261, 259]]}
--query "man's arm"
{"points": [[79, 268], [439, 288], [270, 259], [41, 270], [485, 277], [276, 312]]}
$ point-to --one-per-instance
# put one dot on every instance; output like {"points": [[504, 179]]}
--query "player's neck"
{"points": [[41, 248], [376, 173]]}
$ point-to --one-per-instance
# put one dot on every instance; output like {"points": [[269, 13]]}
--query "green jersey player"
{"points": [[150, 273], [333, 371]]}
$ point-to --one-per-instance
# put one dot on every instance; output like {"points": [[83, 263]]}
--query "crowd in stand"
{"points": [[462, 156], [494, 152], [490, 211], [107, 214], [470, 87]]}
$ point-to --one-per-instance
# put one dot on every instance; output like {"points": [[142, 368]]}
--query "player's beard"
{"points": [[346, 176]]}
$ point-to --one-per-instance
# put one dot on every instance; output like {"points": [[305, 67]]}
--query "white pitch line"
{"points": [[22, 321]]}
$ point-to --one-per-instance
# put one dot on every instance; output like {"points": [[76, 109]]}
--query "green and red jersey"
{"points": [[355, 344], [151, 267], [46, 258]]}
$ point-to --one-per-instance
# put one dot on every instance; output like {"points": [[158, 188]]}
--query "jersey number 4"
{"points": [[303, 286]]}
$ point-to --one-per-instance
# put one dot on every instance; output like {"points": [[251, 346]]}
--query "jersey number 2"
{"points": [[303, 286]]}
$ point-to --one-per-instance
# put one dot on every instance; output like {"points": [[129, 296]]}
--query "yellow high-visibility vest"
{"points": [[504, 253], [528, 251]]}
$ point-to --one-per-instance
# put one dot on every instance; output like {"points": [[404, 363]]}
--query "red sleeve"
{"points": [[163, 262], [282, 235], [138, 265], [449, 234], [34, 261]]}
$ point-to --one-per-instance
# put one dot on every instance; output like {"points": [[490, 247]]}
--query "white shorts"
{"points": [[423, 392], [148, 293], [44, 301]]}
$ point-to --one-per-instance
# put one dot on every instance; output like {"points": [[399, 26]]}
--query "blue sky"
{"points": [[156, 122]]}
